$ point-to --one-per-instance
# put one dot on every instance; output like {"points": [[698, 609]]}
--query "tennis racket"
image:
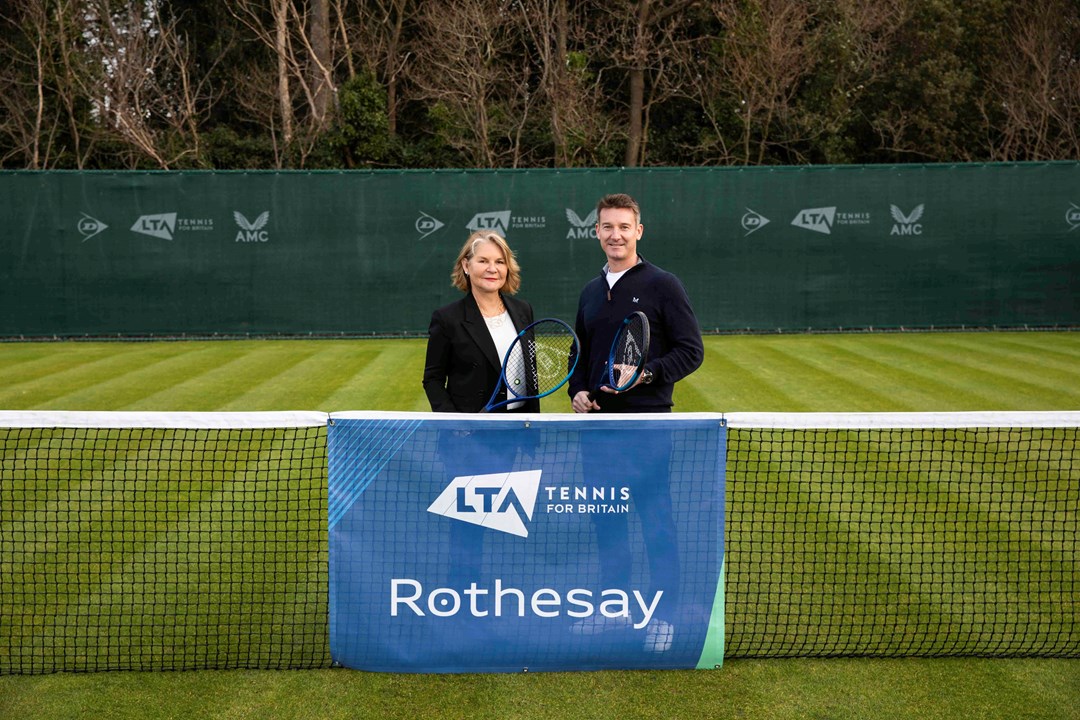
{"points": [[628, 352], [539, 362]]}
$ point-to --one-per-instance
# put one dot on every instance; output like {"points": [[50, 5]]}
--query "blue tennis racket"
{"points": [[629, 351], [539, 362]]}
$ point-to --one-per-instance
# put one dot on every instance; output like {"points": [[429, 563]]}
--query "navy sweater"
{"points": [[675, 348]]}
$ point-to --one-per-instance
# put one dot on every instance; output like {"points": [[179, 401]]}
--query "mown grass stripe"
{"points": [[969, 389], [351, 386], [1036, 351], [910, 388], [1025, 376], [229, 375], [762, 365], [27, 362], [723, 382], [982, 378], [73, 377], [392, 380], [841, 383]]}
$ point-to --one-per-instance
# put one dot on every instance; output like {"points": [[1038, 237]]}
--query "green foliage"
{"points": [[928, 105], [226, 149], [360, 134], [674, 127], [436, 140]]}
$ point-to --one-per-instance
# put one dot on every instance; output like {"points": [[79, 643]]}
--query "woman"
{"points": [[468, 339]]}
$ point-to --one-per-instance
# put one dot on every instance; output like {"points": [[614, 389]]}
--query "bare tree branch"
{"points": [[466, 66], [1036, 85]]}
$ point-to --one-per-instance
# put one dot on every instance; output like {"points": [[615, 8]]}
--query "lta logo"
{"points": [[500, 501], [819, 220], [161, 225], [496, 221]]}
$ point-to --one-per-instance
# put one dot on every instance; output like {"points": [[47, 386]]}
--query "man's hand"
{"points": [[624, 370], [582, 403]]}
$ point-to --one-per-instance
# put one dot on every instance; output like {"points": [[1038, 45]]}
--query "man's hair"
{"points": [[620, 201], [513, 271]]}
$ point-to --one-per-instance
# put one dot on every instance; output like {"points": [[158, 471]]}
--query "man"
{"points": [[627, 283], [639, 462]]}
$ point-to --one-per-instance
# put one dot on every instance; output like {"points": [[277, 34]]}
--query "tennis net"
{"points": [[170, 541], [903, 535], [162, 541]]}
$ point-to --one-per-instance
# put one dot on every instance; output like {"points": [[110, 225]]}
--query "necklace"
{"points": [[497, 318]]}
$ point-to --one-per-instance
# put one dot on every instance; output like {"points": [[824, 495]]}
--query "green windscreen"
{"points": [[759, 249]]}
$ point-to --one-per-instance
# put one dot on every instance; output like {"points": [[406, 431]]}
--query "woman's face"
{"points": [[487, 267]]}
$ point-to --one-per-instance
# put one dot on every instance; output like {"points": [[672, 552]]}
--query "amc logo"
{"points": [[252, 231]]}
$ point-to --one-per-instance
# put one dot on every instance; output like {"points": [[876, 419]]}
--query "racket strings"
{"points": [[629, 352], [552, 360], [541, 360]]}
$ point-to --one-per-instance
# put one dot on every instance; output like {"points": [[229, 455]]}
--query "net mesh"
{"points": [[185, 548], [162, 549], [903, 542]]}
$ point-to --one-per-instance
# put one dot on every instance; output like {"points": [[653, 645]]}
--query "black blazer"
{"points": [[462, 365]]}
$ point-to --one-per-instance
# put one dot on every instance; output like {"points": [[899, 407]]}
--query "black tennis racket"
{"points": [[629, 351], [539, 362]]}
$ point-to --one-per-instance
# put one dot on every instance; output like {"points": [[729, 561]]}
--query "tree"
{"points": [[927, 107], [145, 90], [1032, 108], [291, 94], [46, 116], [361, 132], [516, 83], [752, 76], [472, 69], [380, 36], [641, 38]]}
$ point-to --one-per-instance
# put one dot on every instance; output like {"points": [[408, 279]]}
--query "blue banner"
{"points": [[503, 544]]}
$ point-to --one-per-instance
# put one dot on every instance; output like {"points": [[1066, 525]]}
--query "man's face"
{"points": [[618, 232]]}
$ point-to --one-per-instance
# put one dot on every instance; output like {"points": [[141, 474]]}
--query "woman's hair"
{"points": [[513, 271]]}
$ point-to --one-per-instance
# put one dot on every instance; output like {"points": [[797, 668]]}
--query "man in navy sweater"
{"points": [[639, 463], [627, 283]]}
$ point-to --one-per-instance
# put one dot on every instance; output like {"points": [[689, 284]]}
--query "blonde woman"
{"points": [[468, 339]]}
